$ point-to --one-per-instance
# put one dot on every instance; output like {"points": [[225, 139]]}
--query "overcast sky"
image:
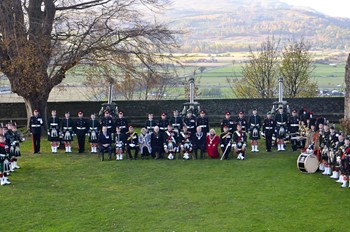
{"points": [[340, 8]]}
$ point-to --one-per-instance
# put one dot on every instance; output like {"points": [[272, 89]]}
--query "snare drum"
{"points": [[307, 163]]}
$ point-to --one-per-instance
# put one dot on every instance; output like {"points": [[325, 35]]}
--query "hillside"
{"points": [[232, 25]]}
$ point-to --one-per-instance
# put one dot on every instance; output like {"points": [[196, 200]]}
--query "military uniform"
{"points": [[35, 124], [281, 129], [67, 129], [176, 122], [190, 123], [53, 134], [186, 143], [225, 143], [149, 125], [93, 131], [203, 122], [119, 141], [3, 179], [163, 124], [170, 144], [122, 123], [268, 130], [241, 120], [81, 129], [254, 125], [293, 128], [107, 121], [132, 143], [240, 143], [228, 122]]}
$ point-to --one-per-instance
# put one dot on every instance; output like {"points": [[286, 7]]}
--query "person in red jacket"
{"points": [[212, 142]]}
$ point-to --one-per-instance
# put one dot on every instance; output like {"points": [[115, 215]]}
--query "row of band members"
{"points": [[65, 128]]}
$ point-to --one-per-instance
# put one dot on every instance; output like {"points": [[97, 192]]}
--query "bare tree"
{"points": [[40, 40], [296, 68]]}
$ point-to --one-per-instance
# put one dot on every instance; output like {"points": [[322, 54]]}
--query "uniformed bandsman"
{"points": [[120, 141], [150, 123], [163, 123], [338, 155], [93, 131], [281, 128], [132, 142], [18, 138], [107, 121], [176, 122], [3, 179], [190, 122], [185, 143], [228, 121], [293, 128], [332, 144], [171, 146], [225, 142], [254, 124], [345, 163], [241, 120], [240, 142], [203, 122], [268, 130], [122, 123], [81, 129], [54, 131], [35, 124], [67, 129]]}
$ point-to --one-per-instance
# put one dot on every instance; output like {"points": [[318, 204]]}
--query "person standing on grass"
{"points": [[93, 130], [268, 130], [150, 123], [35, 124], [176, 122], [212, 142], [67, 132], [203, 122], [254, 124], [122, 123], [81, 128], [53, 133], [228, 122], [281, 128]]}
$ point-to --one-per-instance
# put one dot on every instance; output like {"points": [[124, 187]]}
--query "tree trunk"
{"points": [[39, 103], [347, 90]]}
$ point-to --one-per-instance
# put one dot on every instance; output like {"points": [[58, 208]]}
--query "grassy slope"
{"points": [[75, 192]]}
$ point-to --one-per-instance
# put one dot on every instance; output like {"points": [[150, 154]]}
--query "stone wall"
{"points": [[136, 111]]}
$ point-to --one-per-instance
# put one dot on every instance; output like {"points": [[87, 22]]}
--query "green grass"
{"points": [[75, 192]]}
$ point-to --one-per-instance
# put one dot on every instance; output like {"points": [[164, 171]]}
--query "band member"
{"points": [[150, 123], [105, 143], [228, 121], [345, 163], [203, 122], [338, 155], [163, 123], [35, 124], [3, 179], [324, 132], [281, 128], [254, 124], [303, 114], [145, 144], [10, 144], [122, 123], [293, 128], [312, 138], [120, 141], [186, 143], [332, 142], [303, 130], [157, 143], [53, 134], [321, 120], [225, 142], [170, 143], [132, 142], [190, 122], [268, 130], [18, 138], [94, 128], [242, 120], [176, 122], [240, 142], [212, 142], [67, 132], [81, 128], [107, 121], [199, 142]]}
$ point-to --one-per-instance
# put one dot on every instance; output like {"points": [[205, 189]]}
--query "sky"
{"points": [[338, 8]]}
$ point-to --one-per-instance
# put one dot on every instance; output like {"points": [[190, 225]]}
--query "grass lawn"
{"points": [[266, 192]]}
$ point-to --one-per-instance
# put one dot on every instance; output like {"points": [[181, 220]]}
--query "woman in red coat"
{"points": [[212, 142]]}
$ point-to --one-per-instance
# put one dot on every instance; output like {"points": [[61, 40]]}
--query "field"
{"points": [[75, 192]]}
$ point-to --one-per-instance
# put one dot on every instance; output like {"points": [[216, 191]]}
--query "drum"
{"points": [[307, 163]]}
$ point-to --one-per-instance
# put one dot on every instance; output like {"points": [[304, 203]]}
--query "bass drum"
{"points": [[307, 163]]}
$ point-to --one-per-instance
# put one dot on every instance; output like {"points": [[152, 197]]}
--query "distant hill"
{"points": [[232, 25]]}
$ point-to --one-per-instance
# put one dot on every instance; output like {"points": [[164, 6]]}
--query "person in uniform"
{"points": [[254, 124], [240, 142], [199, 143], [241, 120], [81, 129], [3, 179], [93, 131], [132, 142], [190, 122], [170, 143], [185, 143], [303, 130], [119, 140], [18, 138], [150, 123], [324, 132], [345, 163], [228, 121], [268, 130], [203, 122], [293, 128], [105, 143], [10, 144], [53, 134], [312, 140], [212, 143], [338, 155], [145, 144], [176, 122], [157, 143], [163, 123], [35, 124], [225, 142], [122, 123], [67, 129], [332, 144], [107, 121], [281, 128]]}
